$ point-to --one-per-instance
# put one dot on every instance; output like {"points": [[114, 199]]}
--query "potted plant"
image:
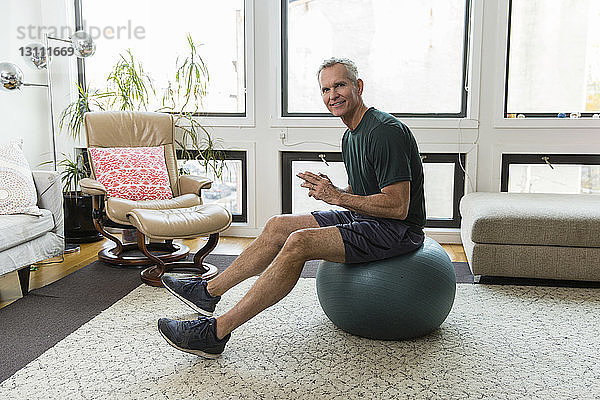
{"points": [[79, 225]]}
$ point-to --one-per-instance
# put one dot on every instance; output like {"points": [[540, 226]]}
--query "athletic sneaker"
{"points": [[197, 337], [193, 293]]}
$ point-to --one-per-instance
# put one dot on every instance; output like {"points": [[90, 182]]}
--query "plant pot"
{"points": [[79, 225]]}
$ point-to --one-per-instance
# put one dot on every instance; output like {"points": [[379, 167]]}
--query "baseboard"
{"points": [[241, 231], [444, 235]]}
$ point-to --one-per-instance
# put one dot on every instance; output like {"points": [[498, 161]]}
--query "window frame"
{"points": [[232, 155], [287, 157], [465, 73], [245, 118], [506, 75], [537, 158]]}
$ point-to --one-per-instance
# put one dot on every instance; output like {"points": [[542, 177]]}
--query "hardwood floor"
{"points": [[456, 252], [57, 268]]}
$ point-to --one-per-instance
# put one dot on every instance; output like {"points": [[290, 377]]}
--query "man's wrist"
{"points": [[340, 197]]}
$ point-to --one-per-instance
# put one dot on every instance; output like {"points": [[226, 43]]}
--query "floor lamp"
{"points": [[37, 56]]}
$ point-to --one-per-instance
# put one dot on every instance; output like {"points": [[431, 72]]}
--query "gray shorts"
{"points": [[369, 238]]}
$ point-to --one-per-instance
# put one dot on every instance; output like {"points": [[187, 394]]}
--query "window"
{"points": [[230, 189], [156, 32], [411, 54], [550, 173], [443, 185], [294, 198], [553, 61]]}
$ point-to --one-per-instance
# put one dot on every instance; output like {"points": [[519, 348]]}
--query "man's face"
{"points": [[340, 95]]}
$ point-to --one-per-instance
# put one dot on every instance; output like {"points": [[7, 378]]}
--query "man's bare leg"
{"points": [[283, 273], [261, 252]]}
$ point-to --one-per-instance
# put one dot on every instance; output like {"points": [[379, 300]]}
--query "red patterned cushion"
{"points": [[134, 173]]}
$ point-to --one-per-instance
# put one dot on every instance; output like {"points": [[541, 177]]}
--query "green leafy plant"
{"points": [[130, 86], [73, 170], [183, 98], [71, 118]]}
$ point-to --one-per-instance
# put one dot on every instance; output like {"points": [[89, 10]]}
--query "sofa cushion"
{"points": [[20, 228], [17, 190], [532, 219]]}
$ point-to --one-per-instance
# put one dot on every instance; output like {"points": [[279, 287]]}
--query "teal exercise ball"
{"points": [[397, 298]]}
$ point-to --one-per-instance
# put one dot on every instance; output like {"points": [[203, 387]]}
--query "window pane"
{"points": [[409, 53], [554, 59], [225, 190], [564, 178], [301, 203], [217, 27], [439, 190]]}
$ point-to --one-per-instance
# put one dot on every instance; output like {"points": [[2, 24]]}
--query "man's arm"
{"points": [[392, 202]]}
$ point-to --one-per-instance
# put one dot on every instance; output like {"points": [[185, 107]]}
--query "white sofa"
{"points": [[27, 239]]}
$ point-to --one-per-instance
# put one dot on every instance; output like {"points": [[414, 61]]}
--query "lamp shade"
{"points": [[11, 77], [38, 58], [83, 44]]}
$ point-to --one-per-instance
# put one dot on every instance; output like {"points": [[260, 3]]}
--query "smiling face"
{"points": [[341, 96]]}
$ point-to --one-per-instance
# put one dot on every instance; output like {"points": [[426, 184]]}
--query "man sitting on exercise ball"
{"points": [[384, 218]]}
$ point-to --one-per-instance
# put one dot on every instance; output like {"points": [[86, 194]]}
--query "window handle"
{"points": [[546, 159], [322, 157]]}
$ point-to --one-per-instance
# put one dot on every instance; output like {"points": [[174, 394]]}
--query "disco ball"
{"points": [[83, 44], [11, 77], [38, 58]]}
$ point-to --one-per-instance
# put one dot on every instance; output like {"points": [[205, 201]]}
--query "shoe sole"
{"points": [[189, 303], [194, 352]]}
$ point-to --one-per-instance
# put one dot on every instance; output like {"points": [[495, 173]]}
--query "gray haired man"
{"points": [[384, 216]]}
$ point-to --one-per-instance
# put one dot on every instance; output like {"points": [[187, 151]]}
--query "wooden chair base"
{"points": [[174, 252], [151, 276], [117, 255]]}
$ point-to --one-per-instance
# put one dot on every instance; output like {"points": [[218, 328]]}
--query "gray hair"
{"points": [[351, 69]]}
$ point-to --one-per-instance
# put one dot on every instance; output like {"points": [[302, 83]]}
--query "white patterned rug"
{"points": [[501, 342]]}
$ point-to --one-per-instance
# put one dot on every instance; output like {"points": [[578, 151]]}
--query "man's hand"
{"points": [[320, 187]]}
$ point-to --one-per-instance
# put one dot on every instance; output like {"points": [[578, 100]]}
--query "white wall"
{"points": [[25, 113], [484, 135]]}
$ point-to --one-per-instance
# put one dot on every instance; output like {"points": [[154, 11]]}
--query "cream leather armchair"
{"points": [[137, 129]]}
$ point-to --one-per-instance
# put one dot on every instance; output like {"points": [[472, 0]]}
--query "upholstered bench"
{"points": [[179, 223], [548, 236]]}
